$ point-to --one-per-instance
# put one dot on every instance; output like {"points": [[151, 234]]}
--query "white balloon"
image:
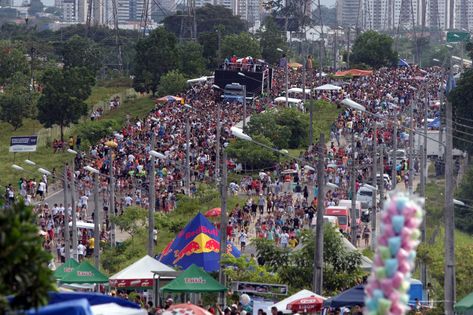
{"points": [[245, 299]]}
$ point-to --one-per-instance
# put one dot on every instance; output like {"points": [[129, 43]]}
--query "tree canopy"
{"points": [[191, 60], [251, 155], [24, 273], [155, 55], [241, 45], [373, 49], [171, 83], [271, 39], [82, 52]]}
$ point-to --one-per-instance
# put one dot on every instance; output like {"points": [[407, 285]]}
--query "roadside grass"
{"points": [[44, 156]]}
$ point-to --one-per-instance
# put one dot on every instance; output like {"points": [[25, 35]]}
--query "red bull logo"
{"points": [[202, 243], [167, 249]]}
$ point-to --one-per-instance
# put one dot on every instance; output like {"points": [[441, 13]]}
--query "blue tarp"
{"points": [[356, 296], [74, 307], [434, 123], [198, 243], [92, 298], [402, 63]]}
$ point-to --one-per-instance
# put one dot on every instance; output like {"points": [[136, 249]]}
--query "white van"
{"points": [[365, 195]]}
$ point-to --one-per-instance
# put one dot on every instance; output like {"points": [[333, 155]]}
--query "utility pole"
{"points": [[319, 229], [223, 218], [244, 102], [188, 162], [394, 155], [112, 199], [381, 189], [375, 170], [442, 122], [311, 122], [411, 149], [449, 281], [286, 75], [152, 197], [67, 237], [96, 222], [74, 212], [423, 183], [348, 47], [217, 149], [353, 191]]}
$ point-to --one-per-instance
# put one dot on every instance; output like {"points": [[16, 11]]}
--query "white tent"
{"points": [[282, 99], [298, 90], [115, 309], [83, 225], [138, 274], [282, 305], [197, 80], [328, 87]]}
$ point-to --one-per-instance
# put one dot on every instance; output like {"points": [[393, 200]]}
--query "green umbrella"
{"points": [[465, 305], [194, 279], [85, 273], [65, 268]]}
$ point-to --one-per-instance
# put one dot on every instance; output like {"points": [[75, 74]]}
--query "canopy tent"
{"points": [[185, 309], [354, 73], [65, 268], [282, 99], [465, 305], [402, 63], [198, 243], [198, 80], [307, 305], [85, 273], [356, 296], [298, 90], [215, 212], [83, 225], [282, 305], [139, 274], [91, 297], [115, 309], [169, 98], [76, 307], [328, 87], [194, 279]]}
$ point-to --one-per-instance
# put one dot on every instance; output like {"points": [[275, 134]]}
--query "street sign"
{"points": [[456, 37], [23, 144], [261, 288]]}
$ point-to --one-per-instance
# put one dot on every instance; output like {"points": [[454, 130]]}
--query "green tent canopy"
{"points": [[65, 268], [465, 305], [85, 273], [194, 279]]}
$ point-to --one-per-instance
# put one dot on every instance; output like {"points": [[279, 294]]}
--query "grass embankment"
{"points": [[44, 156]]}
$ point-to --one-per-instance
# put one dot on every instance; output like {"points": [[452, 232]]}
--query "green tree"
{"points": [[373, 49], [82, 52], [208, 18], [64, 93], [13, 64], [16, 104], [132, 220], [155, 55], [341, 267], [253, 156], [93, 131], [241, 45], [462, 102], [465, 192], [209, 42], [191, 60], [245, 269], [271, 39], [24, 274], [172, 83], [36, 6]]}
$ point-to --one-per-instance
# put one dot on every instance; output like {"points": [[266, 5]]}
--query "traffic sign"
{"points": [[456, 37]]}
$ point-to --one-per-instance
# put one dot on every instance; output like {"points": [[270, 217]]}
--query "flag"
{"points": [[451, 84]]}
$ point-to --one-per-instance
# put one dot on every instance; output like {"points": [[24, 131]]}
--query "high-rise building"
{"points": [[349, 12]]}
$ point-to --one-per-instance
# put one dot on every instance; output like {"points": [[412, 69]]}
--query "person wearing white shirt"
{"points": [[83, 201], [284, 239], [81, 249]]}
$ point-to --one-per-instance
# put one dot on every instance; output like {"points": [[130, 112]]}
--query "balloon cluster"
{"points": [[389, 283]]}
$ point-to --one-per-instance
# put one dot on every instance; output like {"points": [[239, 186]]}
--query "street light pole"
{"points": [[244, 105], [96, 222], [375, 170], [112, 199], [67, 237], [319, 230], [188, 166], [394, 155], [223, 218], [74, 212], [152, 198], [353, 191], [411, 150], [286, 74], [217, 144]]}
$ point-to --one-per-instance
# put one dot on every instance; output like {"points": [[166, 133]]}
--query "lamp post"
{"points": [[217, 140], [73, 205], [96, 173], [286, 75]]}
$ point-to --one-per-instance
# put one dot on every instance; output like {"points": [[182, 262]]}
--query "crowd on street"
{"points": [[281, 201]]}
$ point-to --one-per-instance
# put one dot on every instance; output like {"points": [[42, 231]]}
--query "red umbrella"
{"points": [[308, 304], [185, 309], [215, 212]]}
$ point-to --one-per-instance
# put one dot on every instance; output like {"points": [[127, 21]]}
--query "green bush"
{"points": [[253, 156], [93, 131], [172, 83]]}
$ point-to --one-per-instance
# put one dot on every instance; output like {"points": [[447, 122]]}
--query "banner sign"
{"points": [[456, 37], [262, 288], [23, 144]]}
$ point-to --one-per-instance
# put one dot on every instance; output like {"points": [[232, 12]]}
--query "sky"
{"points": [[328, 3]]}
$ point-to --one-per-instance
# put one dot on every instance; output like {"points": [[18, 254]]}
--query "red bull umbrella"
{"points": [[198, 243]]}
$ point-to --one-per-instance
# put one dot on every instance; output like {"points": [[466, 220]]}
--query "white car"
{"points": [[365, 195]]}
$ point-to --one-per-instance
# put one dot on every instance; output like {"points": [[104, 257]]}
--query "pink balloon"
{"points": [[378, 261], [386, 218], [402, 254], [404, 266], [383, 240], [388, 230], [394, 297], [413, 223], [392, 210], [397, 309], [406, 232], [397, 279], [387, 286]]}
